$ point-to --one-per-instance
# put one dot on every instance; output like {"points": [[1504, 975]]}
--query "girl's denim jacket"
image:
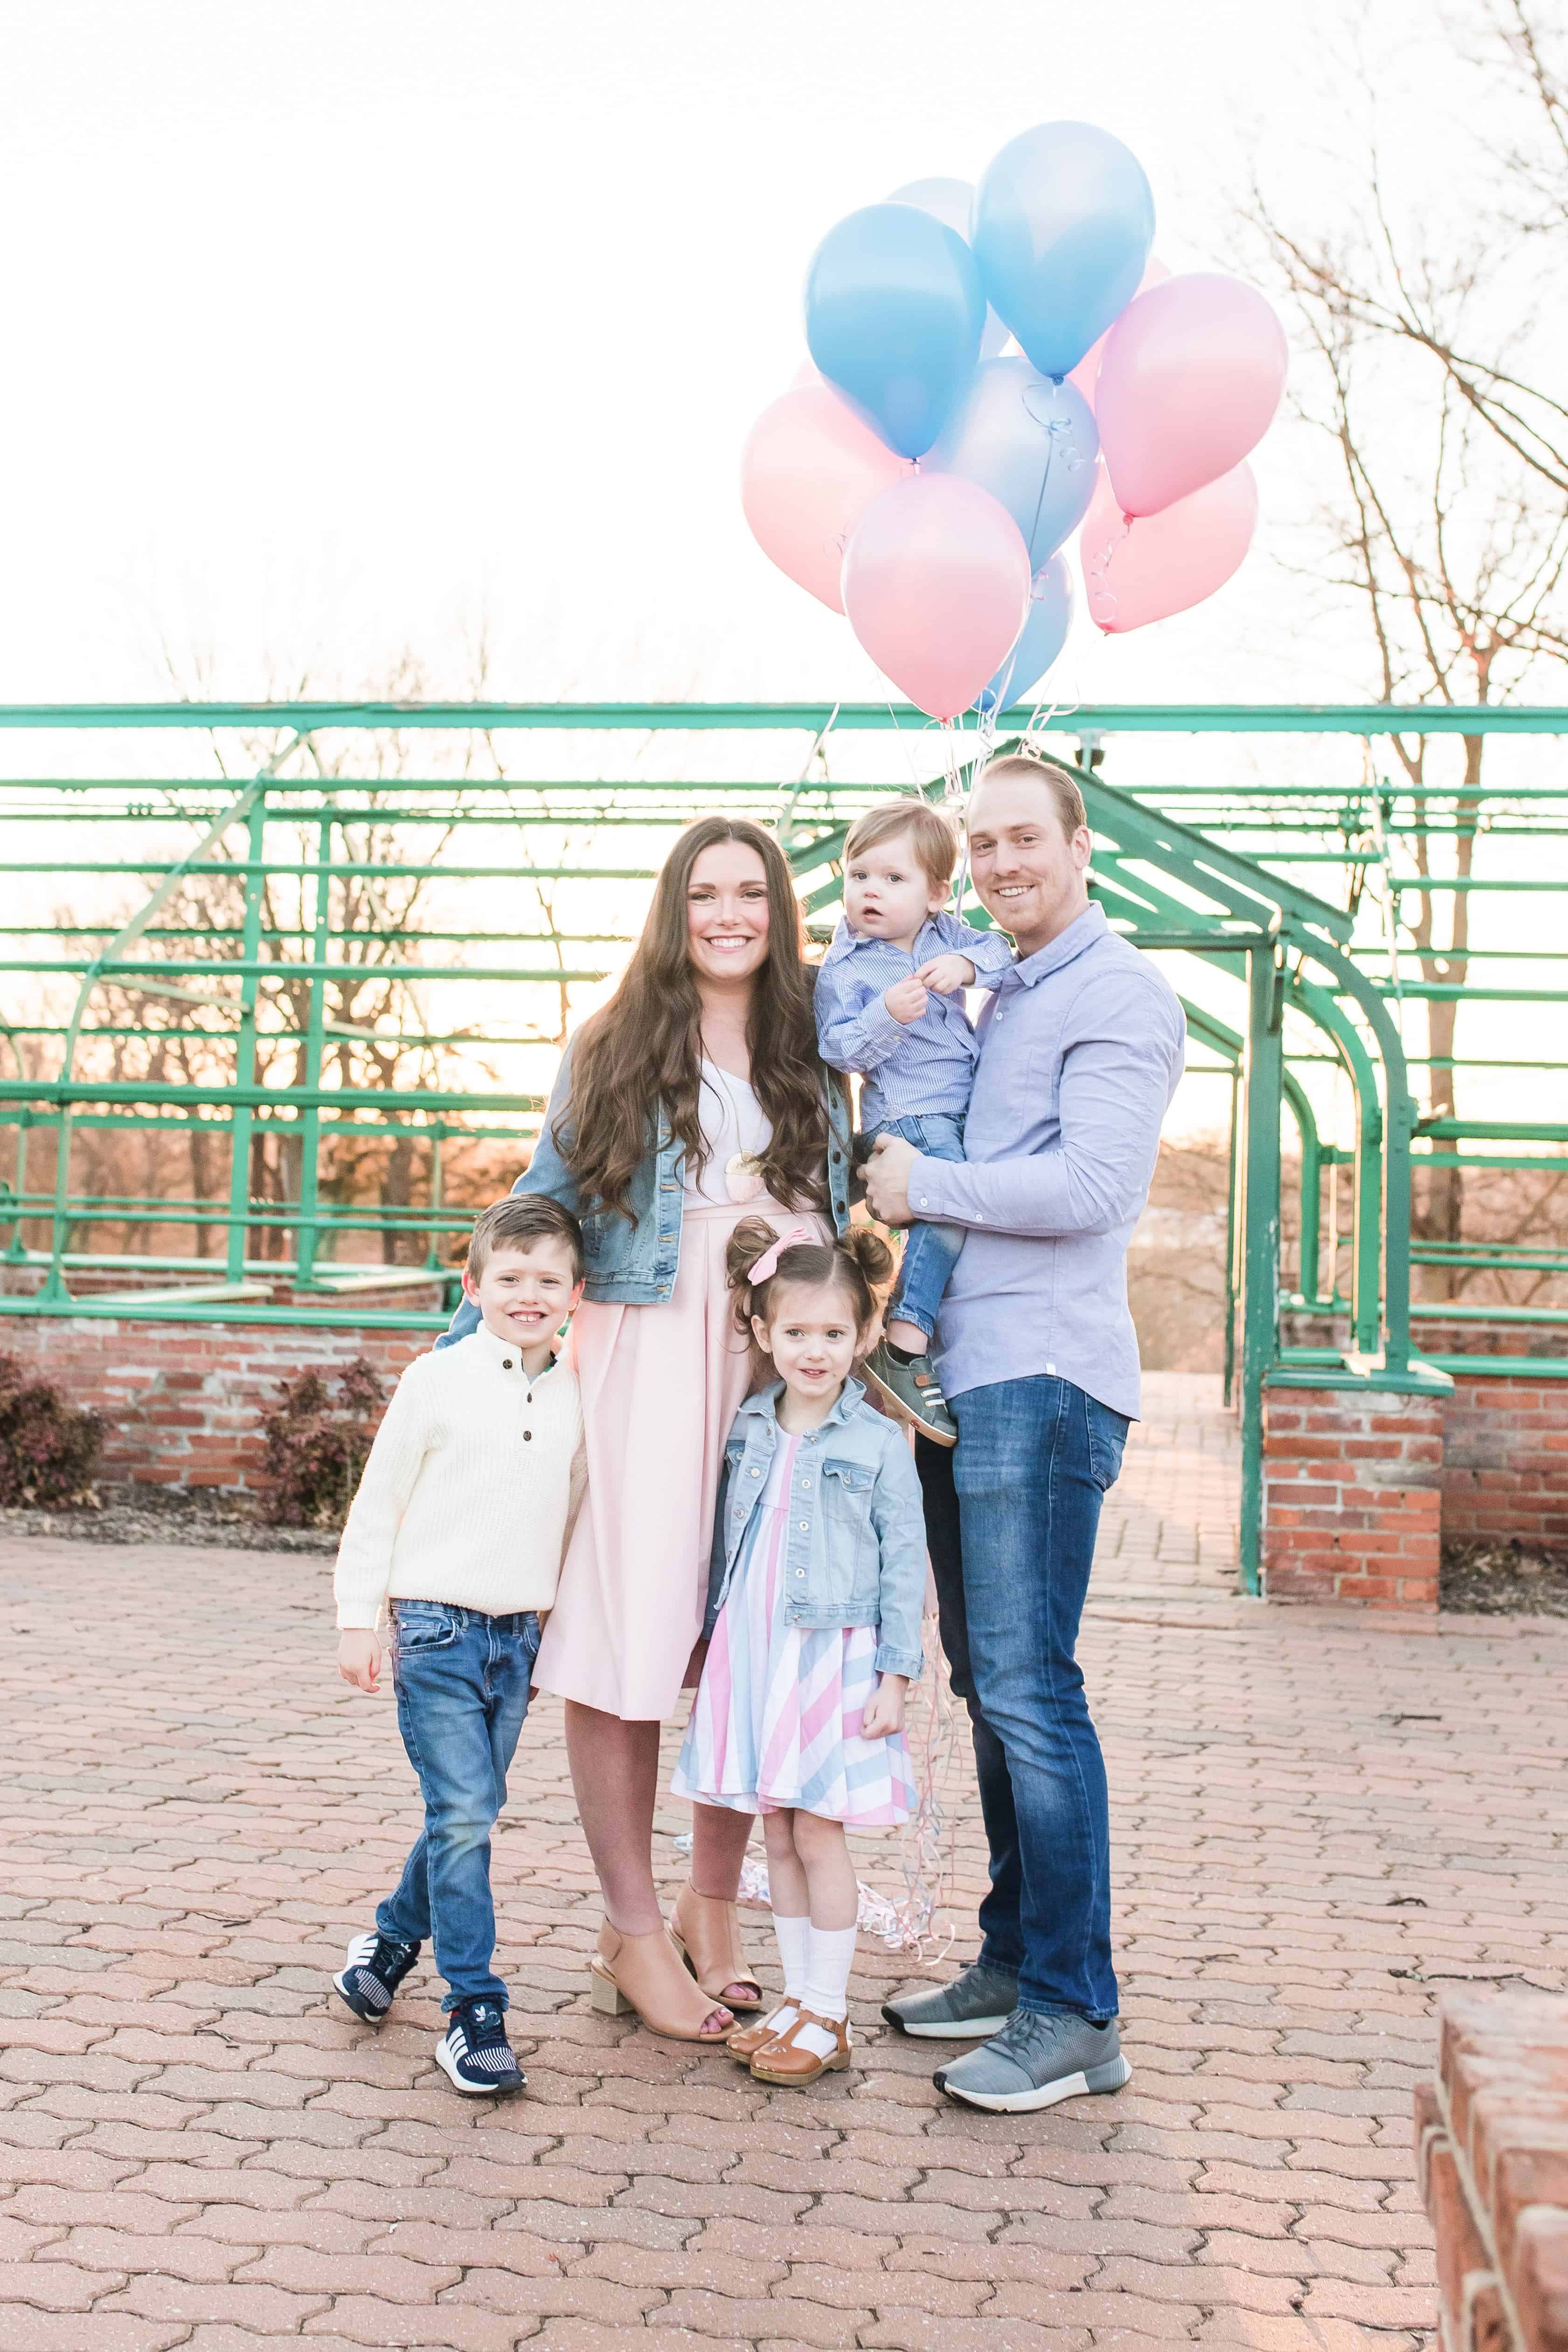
{"points": [[855, 1551], [634, 1264]]}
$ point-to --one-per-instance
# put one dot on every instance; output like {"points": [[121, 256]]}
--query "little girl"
{"points": [[819, 1564]]}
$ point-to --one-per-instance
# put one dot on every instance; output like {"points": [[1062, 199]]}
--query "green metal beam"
{"points": [[1122, 719]]}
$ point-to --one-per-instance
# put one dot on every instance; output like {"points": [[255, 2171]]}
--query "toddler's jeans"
{"points": [[931, 1251]]}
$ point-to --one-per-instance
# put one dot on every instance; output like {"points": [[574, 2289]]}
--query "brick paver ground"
{"points": [[1318, 1823]]}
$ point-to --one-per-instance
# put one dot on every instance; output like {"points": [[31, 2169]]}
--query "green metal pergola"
{"points": [[1291, 888]]}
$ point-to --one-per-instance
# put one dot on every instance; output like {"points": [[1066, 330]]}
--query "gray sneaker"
{"points": [[1035, 2061], [977, 2003], [913, 1392]]}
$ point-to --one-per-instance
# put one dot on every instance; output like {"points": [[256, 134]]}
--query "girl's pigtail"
{"points": [[870, 1255], [750, 1238]]}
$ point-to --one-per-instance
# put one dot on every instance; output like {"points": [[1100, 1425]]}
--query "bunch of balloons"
{"points": [[922, 474]]}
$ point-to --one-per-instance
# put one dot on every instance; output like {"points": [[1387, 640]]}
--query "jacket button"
{"points": [[527, 1435], [804, 1528], [506, 1363]]}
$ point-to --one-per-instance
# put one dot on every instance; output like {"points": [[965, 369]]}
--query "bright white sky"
{"points": [[336, 330], [342, 329]]}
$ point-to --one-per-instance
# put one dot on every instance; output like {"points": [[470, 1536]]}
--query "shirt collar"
{"points": [[1081, 933], [501, 1352], [764, 1406], [844, 942]]}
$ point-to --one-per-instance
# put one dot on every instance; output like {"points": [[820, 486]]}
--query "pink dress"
{"points": [[660, 1386]]}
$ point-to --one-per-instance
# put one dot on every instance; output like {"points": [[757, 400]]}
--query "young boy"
{"points": [[460, 1523], [890, 1005]]}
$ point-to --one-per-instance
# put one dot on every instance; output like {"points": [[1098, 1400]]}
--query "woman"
{"points": [[693, 1097]]}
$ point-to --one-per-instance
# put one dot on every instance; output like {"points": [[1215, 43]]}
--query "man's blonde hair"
{"points": [[1071, 815], [932, 834]]}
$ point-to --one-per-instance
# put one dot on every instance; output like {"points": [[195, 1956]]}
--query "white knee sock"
{"points": [[795, 1951], [826, 1992]]}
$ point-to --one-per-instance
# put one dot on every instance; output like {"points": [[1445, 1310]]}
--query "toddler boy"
{"points": [[890, 1005], [459, 1525]]}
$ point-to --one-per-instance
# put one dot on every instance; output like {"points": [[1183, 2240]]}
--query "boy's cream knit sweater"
{"points": [[471, 1486]]}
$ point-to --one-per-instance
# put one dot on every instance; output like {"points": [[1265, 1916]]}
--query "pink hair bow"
{"points": [[768, 1263]]}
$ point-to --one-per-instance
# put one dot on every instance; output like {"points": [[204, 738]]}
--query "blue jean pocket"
{"points": [[421, 1625], [1107, 1442]]}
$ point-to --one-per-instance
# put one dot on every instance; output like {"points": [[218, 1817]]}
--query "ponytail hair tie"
{"points": [[767, 1264]]}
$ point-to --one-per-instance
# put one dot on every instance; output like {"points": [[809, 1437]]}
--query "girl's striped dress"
{"points": [[776, 1721]]}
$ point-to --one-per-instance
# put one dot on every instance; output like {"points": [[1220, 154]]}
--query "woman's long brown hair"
{"points": [[643, 1050]]}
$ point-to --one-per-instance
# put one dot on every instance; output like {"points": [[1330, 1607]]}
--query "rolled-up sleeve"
{"points": [[1116, 1082]]}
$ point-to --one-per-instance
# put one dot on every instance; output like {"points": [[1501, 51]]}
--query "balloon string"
{"points": [[955, 794], [1040, 501], [1057, 428], [1100, 590]]}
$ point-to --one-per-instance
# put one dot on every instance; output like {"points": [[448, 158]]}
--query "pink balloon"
{"points": [[808, 472], [936, 585], [806, 374], [1144, 570], [1154, 274], [1189, 383]]}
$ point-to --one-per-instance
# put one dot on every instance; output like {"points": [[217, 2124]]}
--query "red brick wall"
{"points": [[1492, 2146], [185, 1402], [1505, 1464], [1351, 1497]]}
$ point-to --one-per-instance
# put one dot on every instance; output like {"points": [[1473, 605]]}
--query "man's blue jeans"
{"points": [[1011, 1518], [931, 1251], [462, 1681]]}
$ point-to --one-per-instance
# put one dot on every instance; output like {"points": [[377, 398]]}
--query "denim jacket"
{"points": [[856, 1546], [634, 1264]]}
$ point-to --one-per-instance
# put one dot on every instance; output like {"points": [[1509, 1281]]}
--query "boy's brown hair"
{"points": [[518, 1223], [933, 834]]}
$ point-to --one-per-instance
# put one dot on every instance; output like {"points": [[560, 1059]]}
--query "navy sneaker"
{"points": [[373, 1967], [475, 2054]]}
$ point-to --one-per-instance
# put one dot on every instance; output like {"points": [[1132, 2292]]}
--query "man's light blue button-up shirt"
{"points": [[1081, 1047]]}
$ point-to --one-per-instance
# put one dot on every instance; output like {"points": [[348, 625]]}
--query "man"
{"points": [[1081, 1047]]}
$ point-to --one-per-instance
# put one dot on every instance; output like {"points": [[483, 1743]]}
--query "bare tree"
{"points": [[384, 1031], [1444, 515]]}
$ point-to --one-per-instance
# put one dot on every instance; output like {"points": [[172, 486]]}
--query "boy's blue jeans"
{"points": [[462, 1681], [931, 1251], [1011, 1517]]}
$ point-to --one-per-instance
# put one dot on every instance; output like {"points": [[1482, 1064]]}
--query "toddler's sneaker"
{"points": [[912, 1393], [373, 1967], [475, 2054]]}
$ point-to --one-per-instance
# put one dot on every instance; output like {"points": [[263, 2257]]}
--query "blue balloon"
{"points": [[1041, 640], [1031, 443], [952, 201], [1064, 219], [893, 315]]}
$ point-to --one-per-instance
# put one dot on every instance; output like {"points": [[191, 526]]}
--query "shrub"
{"points": [[48, 1449], [317, 1443]]}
